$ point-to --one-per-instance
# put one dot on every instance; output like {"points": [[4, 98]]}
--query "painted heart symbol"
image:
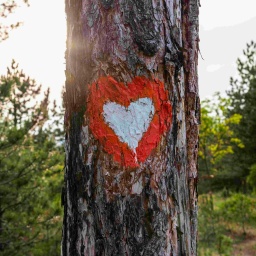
{"points": [[129, 124], [128, 120]]}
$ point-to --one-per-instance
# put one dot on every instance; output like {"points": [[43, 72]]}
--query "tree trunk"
{"points": [[132, 114]]}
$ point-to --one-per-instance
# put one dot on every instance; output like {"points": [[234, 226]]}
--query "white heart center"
{"points": [[129, 124]]}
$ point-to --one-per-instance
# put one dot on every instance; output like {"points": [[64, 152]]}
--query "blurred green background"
{"points": [[227, 165]]}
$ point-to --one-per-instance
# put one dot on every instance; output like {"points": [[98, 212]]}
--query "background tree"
{"points": [[217, 142], [227, 216], [114, 202], [227, 141], [6, 8], [242, 95], [30, 169]]}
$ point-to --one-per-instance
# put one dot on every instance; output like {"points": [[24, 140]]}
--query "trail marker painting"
{"points": [[129, 124], [129, 120]]}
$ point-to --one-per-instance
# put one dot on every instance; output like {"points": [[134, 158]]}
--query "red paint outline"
{"points": [[108, 89]]}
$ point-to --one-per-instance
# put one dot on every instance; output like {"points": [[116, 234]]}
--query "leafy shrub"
{"points": [[238, 208], [211, 230], [251, 178]]}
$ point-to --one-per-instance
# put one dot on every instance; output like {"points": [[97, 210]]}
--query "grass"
{"points": [[227, 225]]}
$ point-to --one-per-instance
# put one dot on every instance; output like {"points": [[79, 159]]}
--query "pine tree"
{"points": [[132, 114], [243, 101], [30, 169], [6, 8]]}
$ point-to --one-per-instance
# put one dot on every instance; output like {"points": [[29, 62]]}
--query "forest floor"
{"points": [[244, 245], [234, 235]]}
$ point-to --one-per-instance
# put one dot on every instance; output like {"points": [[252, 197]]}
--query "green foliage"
{"points": [[224, 221], [215, 133], [242, 95], [216, 137], [212, 236], [227, 142], [227, 162], [31, 165], [239, 208], [224, 244], [251, 179]]}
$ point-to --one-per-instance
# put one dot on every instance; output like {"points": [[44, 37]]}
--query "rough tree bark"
{"points": [[132, 114]]}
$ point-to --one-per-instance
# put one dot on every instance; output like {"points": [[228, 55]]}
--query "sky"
{"points": [[39, 44], [225, 28]]}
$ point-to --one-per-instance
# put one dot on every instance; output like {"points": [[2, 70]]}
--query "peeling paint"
{"points": [[85, 135], [128, 151], [81, 149], [137, 187], [129, 123]]}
